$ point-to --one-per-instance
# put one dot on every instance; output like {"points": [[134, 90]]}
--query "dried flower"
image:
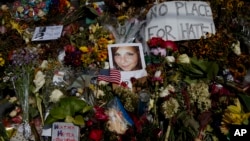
{"points": [[39, 81], [199, 93], [170, 107], [44, 64]]}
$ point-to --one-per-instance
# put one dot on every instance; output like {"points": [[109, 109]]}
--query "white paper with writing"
{"points": [[65, 131], [179, 20]]}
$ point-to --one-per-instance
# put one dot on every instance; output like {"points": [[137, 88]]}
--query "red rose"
{"points": [[89, 123], [124, 84], [95, 134], [155, 42], [69, 48], [133, 80], [100, 114], [170, 45]]}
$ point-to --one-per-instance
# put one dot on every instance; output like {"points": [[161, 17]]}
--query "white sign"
{"points": [[44, 33], [62, 131], [179, 20]]}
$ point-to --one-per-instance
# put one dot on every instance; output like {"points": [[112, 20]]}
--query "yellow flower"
{"points": [[102, 43], [93, 28], [123, 17], [84, 49], [102, 56], [16, 26], [2, 61]]}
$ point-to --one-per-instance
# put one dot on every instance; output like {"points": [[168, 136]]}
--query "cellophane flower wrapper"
{"points": [[129, 32], [119, 120], [23, 62]]}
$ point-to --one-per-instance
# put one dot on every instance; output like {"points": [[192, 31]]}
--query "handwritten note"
{"points": [[179, 20], [62, 131]]}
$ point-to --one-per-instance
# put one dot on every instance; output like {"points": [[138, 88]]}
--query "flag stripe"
{"points": [[114, 76]]}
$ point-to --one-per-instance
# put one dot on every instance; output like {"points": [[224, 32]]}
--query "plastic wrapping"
{"points": [[119, 120]]}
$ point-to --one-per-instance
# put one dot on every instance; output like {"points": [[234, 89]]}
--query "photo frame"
{"points": [[129, 59]]}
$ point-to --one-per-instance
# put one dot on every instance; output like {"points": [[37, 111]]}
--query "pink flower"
{"points": [[158, 51]]}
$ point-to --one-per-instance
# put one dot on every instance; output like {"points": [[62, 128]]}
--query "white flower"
{"points": [[236, 48], [106, 65], [41, 13], [55, 95], [170, 59], [98, 93], [39, 81], [44, 64], [164, 93], [13, 99], [20, 9], [103, 83], [13, 113], [170, 88], [157, 73], [4, 7], [151, 104], [183, 58]]}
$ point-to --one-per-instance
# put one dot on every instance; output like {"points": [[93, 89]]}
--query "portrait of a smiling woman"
{"points": [[126, 58]]}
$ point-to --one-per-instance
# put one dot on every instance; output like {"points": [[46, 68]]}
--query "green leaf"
{"points": [[86, 109], [50, 120], [39, 105], [198, 63], [69, 119], [77, 104], [212, 71], [58, 112], [92, 10], [79, 120], [245, 100]]}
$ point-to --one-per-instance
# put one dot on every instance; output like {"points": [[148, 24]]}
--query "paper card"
{"points": [[44, 33], [65, 132]]}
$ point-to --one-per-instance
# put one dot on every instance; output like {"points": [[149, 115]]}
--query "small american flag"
{"points": [[110, 75]]}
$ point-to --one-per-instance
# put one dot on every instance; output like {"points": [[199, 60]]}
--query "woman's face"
{"points": [[126, 58]]}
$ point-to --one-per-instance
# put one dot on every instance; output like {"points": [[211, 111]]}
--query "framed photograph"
{"points": [[129, 59], [126, 57]]}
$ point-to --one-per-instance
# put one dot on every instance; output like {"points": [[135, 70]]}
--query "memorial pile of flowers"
{"points": [[194, 89]]}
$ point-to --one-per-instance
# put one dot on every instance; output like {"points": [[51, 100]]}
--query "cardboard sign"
{"points": [[179, 20], [62, 131]]}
